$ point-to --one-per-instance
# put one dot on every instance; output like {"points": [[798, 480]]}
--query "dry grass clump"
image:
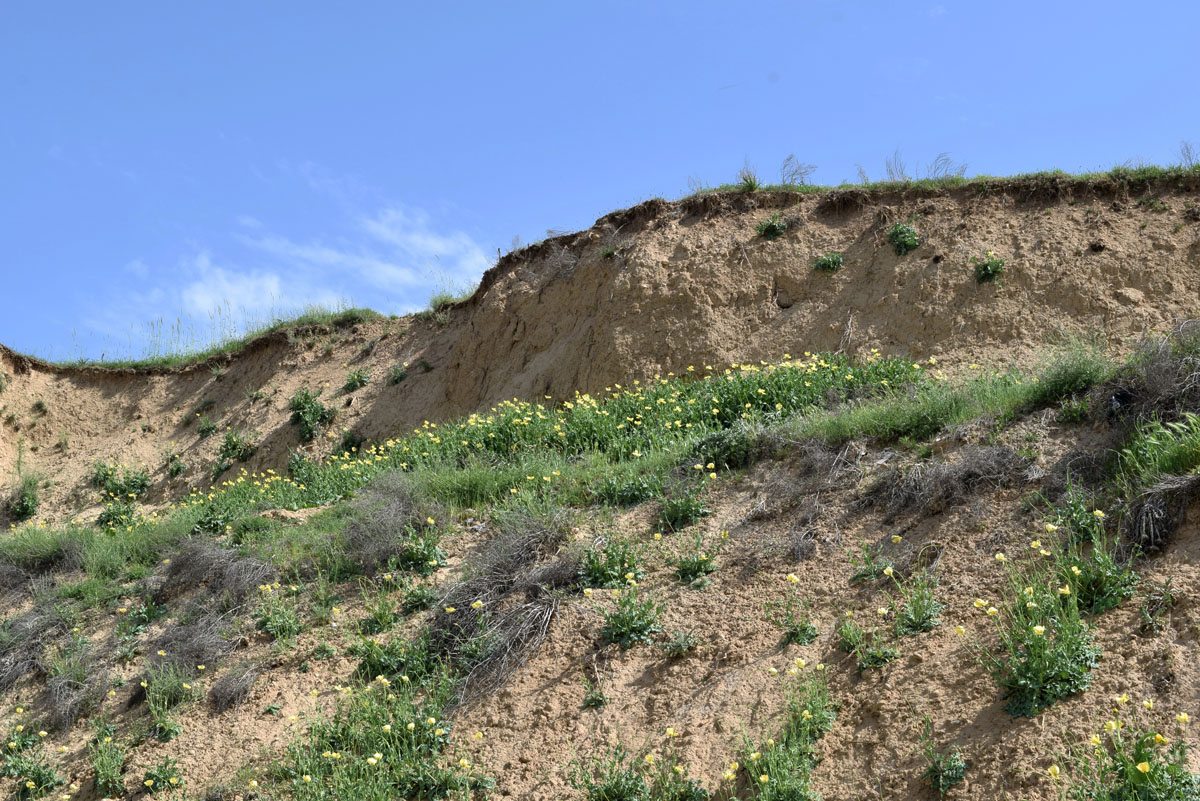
{"points": [[234, 687], [932, 487], [226, 575], [1161, 379], [1154, 513], [502, 608], [387, 514], [23, 643], [78, 679], [203, 640]]}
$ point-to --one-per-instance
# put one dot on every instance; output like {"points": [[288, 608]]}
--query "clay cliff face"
{"points": [[650, 290]]}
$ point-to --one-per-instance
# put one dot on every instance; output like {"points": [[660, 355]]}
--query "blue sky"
{"points": [[217, 161]]}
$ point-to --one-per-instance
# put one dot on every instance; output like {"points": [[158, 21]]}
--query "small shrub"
{"points": [[829, 263], [167, 687], [309, 413], [903, 238], [748, 179], [730, 448], [163, 777], [117, 482], [632, 620], [1074, 410], [397, 373], [988, 267], [772, 227], [946, 768], [117, 515], [357, 379]]}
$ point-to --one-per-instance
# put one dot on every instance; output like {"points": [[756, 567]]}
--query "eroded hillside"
{"points": [[910, 527]]}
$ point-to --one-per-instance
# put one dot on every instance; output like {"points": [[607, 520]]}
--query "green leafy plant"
{"points": [[694, 567], [1126, 762], [945, 769], [173, 462], [682, 507], [629, 492], [236, 447], [277, 615], [612, 777], [870, 563], [397, 373], [107, 756], [988, 267], [903, 238], [679, 644], [357, 379], [206, 428], [167, 687], [792, 615], [593, 694], [772, 227], [918, 608], [24, 501], [309, 413], [633, 620], [611, 562], [163, 777], [829, 263]]}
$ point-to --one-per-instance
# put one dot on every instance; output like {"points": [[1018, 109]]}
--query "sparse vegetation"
{"points": [[903, 238], [988, 267], [772, 227], [632, 619], [829, 263], [309, 413], [357, 379]]}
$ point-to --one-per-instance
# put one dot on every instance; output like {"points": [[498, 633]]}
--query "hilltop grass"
{"points": [[1141, 173], [167, 349]]}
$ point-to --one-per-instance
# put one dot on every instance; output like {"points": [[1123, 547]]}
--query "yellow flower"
{"points": [[1183, 718], [1053, 771], [1000, 557], [1064, 590], [1039, 630], [764, 778], [980, 603], [477, 605], [1051, 528], [1143, 767], [887, 571], [1098, 514], [450, 610], [588, 592], [1159, 739], [959, 630], [793, 578], [1095, 739], [896, 538], [1121, 699], [991, 610], [1035, 544], [1148, 703], [648, 759]]}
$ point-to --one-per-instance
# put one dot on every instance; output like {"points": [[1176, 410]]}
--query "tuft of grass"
{"points": [[792, 615], [107, 756], [397, 373], [593, 694], [918, 609], [870, 563], [694, 567]]}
